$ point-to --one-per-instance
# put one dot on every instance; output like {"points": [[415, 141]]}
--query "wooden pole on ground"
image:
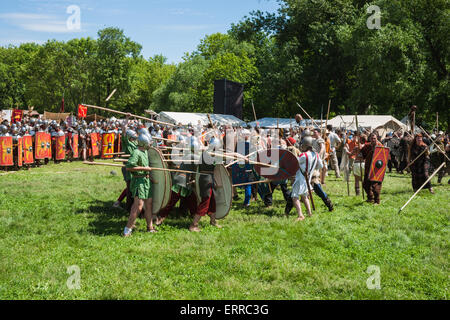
{"points": [[417, 192]]}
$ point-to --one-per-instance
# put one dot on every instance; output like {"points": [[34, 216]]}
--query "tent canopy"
{"points": [[202, 118], [282, 123], [369, 122]]}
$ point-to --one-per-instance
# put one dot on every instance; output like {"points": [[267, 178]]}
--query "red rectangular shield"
{"points": [[94, 145], [27, 144], [43, 146], [19, 152], [75, 153], [108, 145], [379, 162], [60, 148], [6, 152]]}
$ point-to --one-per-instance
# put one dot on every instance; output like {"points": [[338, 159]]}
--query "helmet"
{"points": [[144, 131], [3, 129], [144, 141], [307, 142], [306, 133], [131, 134]]}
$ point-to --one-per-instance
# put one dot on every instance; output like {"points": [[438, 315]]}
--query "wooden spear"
{"points": [[417, 192], [308, 115], [360, 167], [140, 168], [439, 148], [251, 183], [124, 113]]}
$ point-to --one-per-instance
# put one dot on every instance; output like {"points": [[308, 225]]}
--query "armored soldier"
{"points": [[140, 185]]}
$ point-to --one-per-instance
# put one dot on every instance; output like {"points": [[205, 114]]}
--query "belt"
{"points": [[146, 176]]}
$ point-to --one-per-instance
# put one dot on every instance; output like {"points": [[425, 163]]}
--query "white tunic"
{"points": [[300, 188]]}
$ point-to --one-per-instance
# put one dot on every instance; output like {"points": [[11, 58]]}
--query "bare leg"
{"points": [[137, 207], [298, 207], [149, 214], [307, 205]]}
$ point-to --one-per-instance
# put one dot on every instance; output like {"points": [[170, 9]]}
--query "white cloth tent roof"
{"points": [[369, 122], [282, 123], [193, 118]]}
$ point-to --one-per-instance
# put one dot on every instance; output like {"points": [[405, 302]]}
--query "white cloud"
{"points": [[38, 22]]}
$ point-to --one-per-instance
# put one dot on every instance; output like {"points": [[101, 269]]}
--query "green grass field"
{"points": [[58, 216]]}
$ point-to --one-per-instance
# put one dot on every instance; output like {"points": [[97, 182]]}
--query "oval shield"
{"points": [[223, 191], [162, 188]]}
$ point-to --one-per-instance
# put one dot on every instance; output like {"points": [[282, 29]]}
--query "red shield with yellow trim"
{"points": [[60, 151], [19, 152], [75, 153], [27, 144], [43, 146], [108, 145], [6, 152], [379, 162], [94, 145]]}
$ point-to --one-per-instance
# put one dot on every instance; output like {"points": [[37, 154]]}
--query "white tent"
{"points": [[368, 122], [195, 118], [272, 123]]}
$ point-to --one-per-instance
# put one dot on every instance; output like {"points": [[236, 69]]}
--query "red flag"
{"points": [[82, 111], [16, 116], [62, 105]]}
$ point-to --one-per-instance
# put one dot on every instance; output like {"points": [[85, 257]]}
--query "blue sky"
{"points": [[168, 27]]}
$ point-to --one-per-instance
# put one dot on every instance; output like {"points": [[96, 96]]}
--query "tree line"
{"points": [[309, 51]]}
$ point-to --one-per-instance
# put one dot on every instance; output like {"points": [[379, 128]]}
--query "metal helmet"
{"points": [[3, 129], [144, 131], [131, 134], [306, 133], [307, 142], [144, 141]]}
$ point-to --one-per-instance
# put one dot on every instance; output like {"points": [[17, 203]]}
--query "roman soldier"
{"points": [[140, 185], [207, 203], [129, 144]]}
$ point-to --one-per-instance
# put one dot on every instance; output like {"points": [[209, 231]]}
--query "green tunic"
{"points": [[140, 185], [128, 147]]}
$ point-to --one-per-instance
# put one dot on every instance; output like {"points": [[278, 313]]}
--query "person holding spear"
{"points": [[140, 185]]}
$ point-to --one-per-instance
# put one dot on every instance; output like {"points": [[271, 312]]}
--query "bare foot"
{"points": [[300, 219], [218, 226], [194, 229]]}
